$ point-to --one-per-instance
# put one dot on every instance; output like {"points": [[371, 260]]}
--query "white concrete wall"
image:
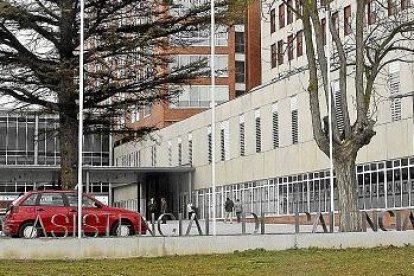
{"points": [[72, 248]]}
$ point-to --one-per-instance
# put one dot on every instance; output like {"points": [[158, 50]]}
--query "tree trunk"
{"points": [[348, 193], [68, 138]]}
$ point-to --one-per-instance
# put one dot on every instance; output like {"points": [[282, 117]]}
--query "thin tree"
{"points": [[372, 37], [127, 61]]}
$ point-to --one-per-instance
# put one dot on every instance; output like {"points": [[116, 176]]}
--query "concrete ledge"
{"points": [[72, 248]]}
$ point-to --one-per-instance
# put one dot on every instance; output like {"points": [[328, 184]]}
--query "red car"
{"points": [[54, 213]]}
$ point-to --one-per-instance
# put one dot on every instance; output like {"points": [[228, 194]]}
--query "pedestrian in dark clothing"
{"points": [[228, 210], [163, 209]]}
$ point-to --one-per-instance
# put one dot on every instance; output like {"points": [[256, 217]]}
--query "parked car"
{"points": [[54, 213]]}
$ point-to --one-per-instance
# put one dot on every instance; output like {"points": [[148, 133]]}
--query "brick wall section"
{"points": [[253, 46]]}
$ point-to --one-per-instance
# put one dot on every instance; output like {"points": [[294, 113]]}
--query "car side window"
{"points": [[51, 199], [30, 201], [86, 201]]}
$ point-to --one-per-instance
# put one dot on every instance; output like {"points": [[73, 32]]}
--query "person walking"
{"points": [[238, 208], [152, 208], [163, 209], [228, 210]]}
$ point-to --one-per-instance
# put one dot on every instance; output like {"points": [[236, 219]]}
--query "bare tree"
{"points": [[126, 60], [374, 36]]}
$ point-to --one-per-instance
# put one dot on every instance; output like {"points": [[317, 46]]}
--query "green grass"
{"points": [[377, 261]]}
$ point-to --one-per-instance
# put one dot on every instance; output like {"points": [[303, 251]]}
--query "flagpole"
{"points": [[80, 130], [213, 117]]}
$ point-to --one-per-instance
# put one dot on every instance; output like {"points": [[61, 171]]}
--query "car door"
{"points": [[93, 216], [52, 214]]}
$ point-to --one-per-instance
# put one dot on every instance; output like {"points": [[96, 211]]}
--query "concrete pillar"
{"points": [[87, 181]]}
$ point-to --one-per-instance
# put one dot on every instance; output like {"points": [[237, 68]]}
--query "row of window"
{"points": [[278, 50], [383, 184]]}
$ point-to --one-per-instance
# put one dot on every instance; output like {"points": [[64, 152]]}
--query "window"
{"points": [[154, 156], [371, 12], [275, 124], [299, 7], [335, 22], [392, 7], [169, 148], [323, 29], [347, 20], [200, 96], [51, 199], [240, 72], [281, 16], [272, 21], [241, 135], [239, 42], [190, 149], [30, 201], [290, 47], [224, 141], [258, 130], [210, 152], [280, 52], [86, 201], [299, 44], [180, 152], [135, 114], [289, 12], [147, 111], [273, 53], [394, 88], [336, 91], [405, 4], [294, 115]]}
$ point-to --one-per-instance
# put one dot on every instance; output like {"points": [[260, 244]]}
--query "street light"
{"points": [[80, 129], [213, 115]]}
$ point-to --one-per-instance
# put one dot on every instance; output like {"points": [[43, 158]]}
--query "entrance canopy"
{"points": [[111, 174]]}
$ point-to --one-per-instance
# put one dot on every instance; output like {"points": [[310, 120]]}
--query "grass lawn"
{"points": [[378, 261]]}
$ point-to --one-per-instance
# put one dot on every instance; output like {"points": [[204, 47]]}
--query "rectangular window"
{"points": [[299, 7], [154, 156], [240, 78], [282, 19], [299, 44], [295, 123], [335, 22], [241, 135], [224, 141], [190, 149], [371, 11], [275, 124], [290, 47], [272, 21], [280, 52], [405, 4], [209, 142], [258, 130], [323, 29], [392, 7], [289, 12], [347, 20], [180, 152], [336, 91], [273, 53], [239, 42], [169, 145], [394, 88]]}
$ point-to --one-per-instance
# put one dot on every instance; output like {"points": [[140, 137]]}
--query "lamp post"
{"points": [[80, 130], [213, 116], [329, 89]]}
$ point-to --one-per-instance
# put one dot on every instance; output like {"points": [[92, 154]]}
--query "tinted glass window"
{"points": [[52, 199], [30, 201], [86, 201]]}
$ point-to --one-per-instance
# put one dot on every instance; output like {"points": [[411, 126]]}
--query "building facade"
{"points": [[266, 155], [237, 63]]}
